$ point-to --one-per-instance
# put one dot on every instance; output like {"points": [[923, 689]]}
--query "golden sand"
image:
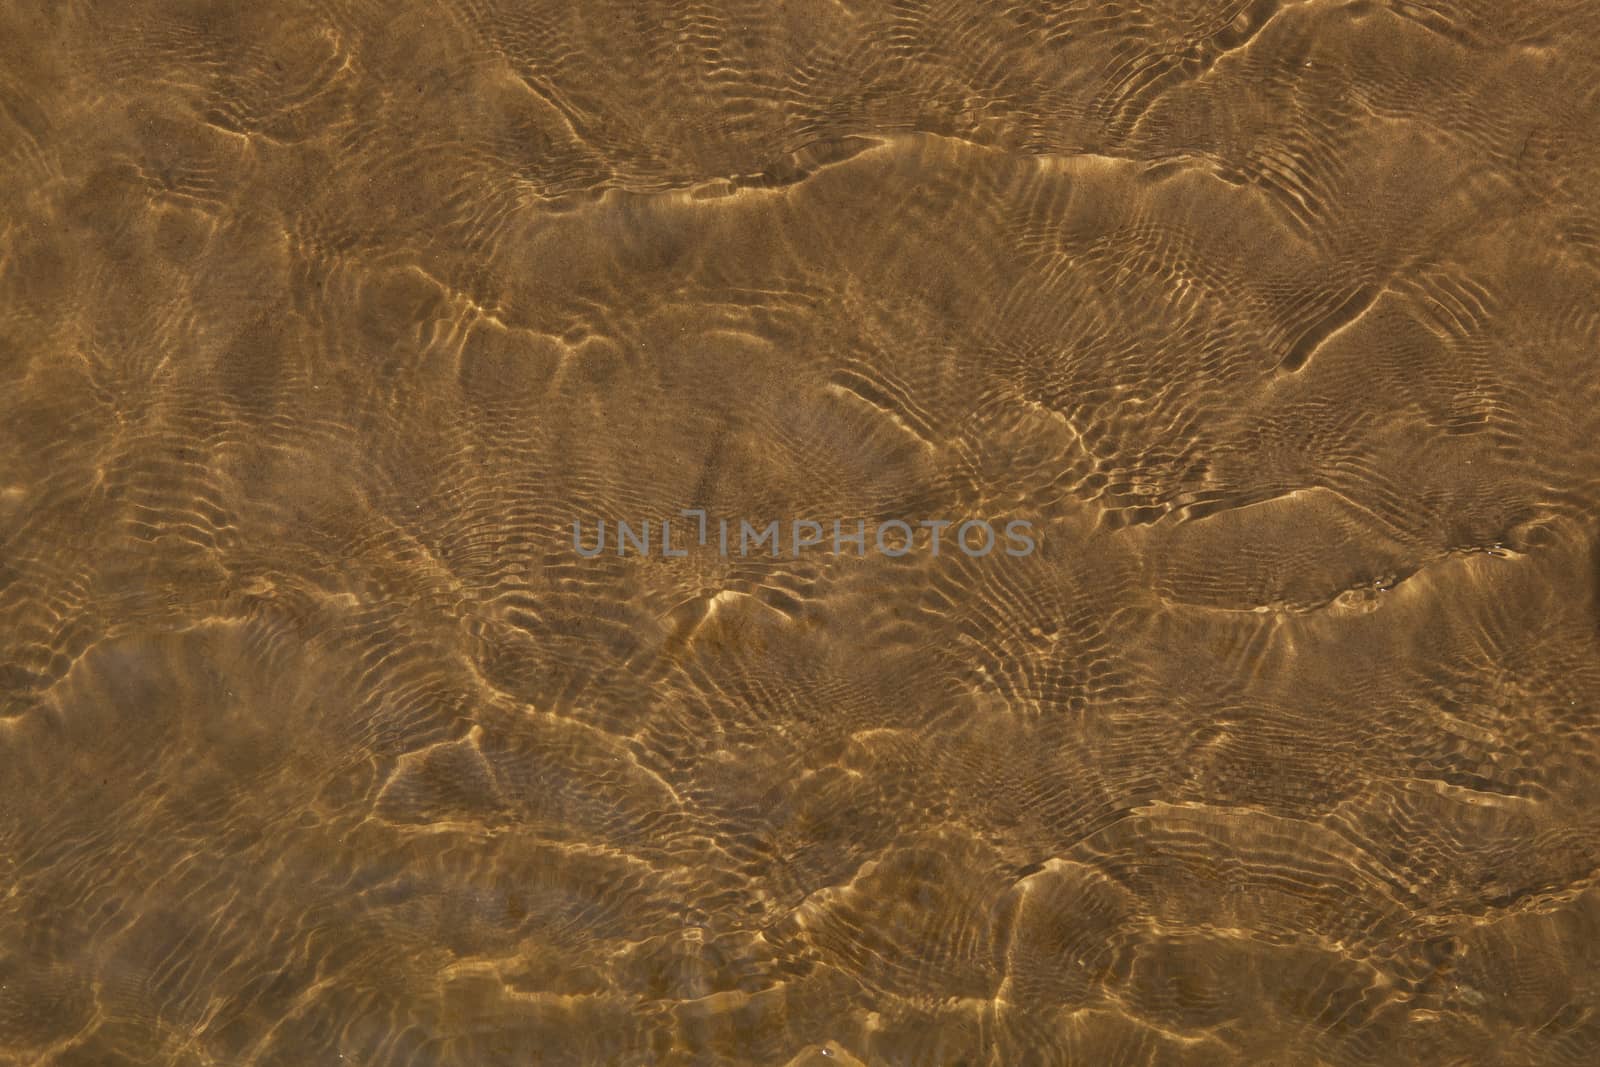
{"points": [[322, 323]]}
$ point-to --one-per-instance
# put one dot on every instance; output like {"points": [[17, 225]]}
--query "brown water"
{"points": [[321, 323]]}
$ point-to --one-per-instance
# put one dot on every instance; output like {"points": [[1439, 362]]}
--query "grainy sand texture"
{"points": [[323, 743]]}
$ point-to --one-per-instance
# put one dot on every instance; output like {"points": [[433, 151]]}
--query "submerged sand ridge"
{"points": [[321, 325]]}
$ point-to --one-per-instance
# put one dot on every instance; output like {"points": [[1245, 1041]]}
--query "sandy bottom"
{"points": [[322, 323]]}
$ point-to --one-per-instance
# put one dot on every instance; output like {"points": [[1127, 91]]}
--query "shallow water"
{"points": [[322, 323]]}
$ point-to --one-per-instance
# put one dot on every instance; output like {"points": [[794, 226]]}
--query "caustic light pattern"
{"points": [[1275, 323]]}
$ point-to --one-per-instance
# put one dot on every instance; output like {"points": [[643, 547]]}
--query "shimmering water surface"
{"points": [[321, 322]]}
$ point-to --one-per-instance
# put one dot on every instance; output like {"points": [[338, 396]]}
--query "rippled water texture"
{"points": [[321, 322]]}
